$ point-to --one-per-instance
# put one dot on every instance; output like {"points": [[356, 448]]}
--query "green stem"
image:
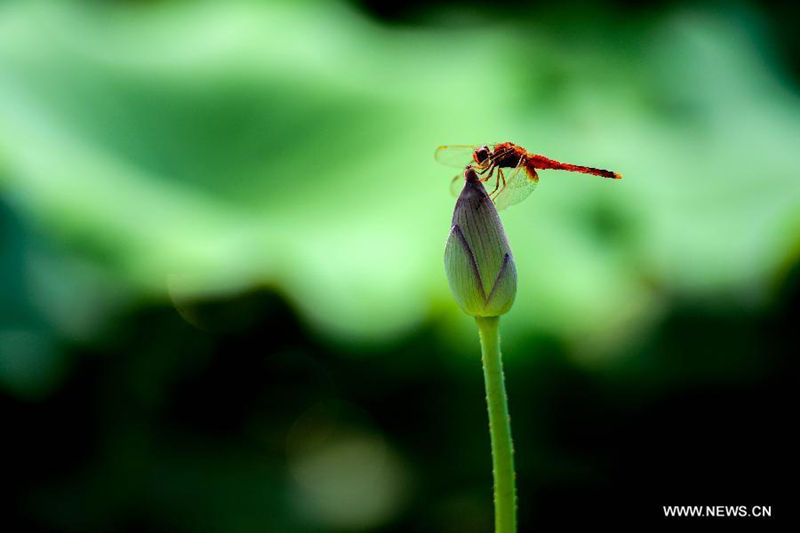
{"points": [[505, 497]]}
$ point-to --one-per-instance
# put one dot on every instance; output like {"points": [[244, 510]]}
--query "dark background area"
{"points": [[165, 427]]}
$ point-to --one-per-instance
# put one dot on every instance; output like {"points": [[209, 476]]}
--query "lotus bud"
{"points": [[477, 258]]}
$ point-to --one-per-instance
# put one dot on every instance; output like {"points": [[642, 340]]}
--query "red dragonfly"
{"points": [[510, 186]]}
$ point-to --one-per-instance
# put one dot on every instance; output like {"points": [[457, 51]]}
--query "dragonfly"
{"points": [[512, 167]]}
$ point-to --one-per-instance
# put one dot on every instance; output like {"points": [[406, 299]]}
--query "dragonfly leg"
{"points": [[483, 170], [486, 178], [502, 177], [497, 181]]}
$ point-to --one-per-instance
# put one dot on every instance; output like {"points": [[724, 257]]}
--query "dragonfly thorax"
{"points": [[507, 155]]}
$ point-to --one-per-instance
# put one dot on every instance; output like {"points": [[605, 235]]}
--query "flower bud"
{"points": [[477, 258]]}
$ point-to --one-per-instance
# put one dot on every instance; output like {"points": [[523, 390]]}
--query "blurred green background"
{"points": [[223, 305]]}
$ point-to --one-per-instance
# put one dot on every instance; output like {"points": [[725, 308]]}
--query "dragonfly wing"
{"points": [[455, 155], [457, 184], [520, 183]]}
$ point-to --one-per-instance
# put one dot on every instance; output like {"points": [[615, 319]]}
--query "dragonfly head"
{"points": [[481, 155]]}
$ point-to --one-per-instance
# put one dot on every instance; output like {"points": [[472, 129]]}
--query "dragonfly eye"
{"points": [[481, 155]]}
